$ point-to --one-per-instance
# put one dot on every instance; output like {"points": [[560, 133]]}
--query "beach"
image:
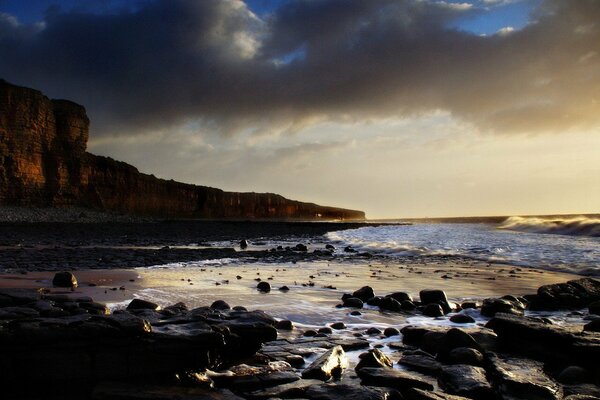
{"points": [[310, 274]]}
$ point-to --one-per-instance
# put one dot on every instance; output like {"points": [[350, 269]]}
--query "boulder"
{"points": [[421, 362], [263, 287], [387, 377], [570, 295], [243, 244], [491, 307], [373, 359], [64, 279], [390, 304], [467, 381], [462, 319], [401, 296], [139, 304], [574, 375], [330, 364], [285, 325], [353, 302], [465, 355], [433, 310], [429, 296], [220, 305], [364, 293]]}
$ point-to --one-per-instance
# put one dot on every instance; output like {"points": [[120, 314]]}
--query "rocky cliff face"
{"points": [[43, 162]]}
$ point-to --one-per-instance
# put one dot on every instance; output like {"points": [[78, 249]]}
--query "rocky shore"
{"points": [[56, 343]]}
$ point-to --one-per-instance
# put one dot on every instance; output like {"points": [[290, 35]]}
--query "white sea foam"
{"points": [[575, 226]]}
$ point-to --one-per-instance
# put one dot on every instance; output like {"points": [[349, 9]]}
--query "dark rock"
{"points": [[465, 355], [139, 304], [522, 379], [329, 247], [407, 305], [462, 319], [491, 307], [466, 380], [132, 391], [338, 325], [433, 310], [64, 279], [430, 296], [387, 377], [373, 359], [330, 364], [468, 304], [364, 293], [390, 304], [570, 295], [401, 296], [423, 363], [391, 331], [574, 375], [284, 289], [582, 392], [353, 302], [244, 377], [349, 249], [243, 244], [592, 326], [300, 247], [294, 389], [594, 307], [263, 287], [373, 331], [420, 394], [325, 330], [284, 325], [344, 391], [220, 305], [375, 301], [355, 313], [310, 333]]}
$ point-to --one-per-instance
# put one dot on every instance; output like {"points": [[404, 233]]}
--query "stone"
{"points": [[594, 307], [462, 319], [64, 279], [391, 331], [401, 296], [328, 365], [139, 304], [573, 294], [300, 247], [390, 304], [338, 325], [284, 289], [243, 244], [220, 305], [491, 307], [522, 379], [132, 391], [420, 394], [424, 363], [374, 358], [364, 293], [285, 325], [346, 392], [387, 377], [467, 381], [429, 296], [592, 326], [353, 302], [433, 310], [465, 355], [573, 375], [263, 287]]}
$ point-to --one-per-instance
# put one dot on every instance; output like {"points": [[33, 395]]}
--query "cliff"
{"points": [[43, 162]]}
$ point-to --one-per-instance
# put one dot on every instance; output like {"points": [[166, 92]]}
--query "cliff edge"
{"points": [[43, 162]]}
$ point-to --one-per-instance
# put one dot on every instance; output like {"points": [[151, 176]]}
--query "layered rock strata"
{"points": [[43, 162]]}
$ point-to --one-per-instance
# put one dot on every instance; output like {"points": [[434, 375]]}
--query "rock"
{"points": [[364, 293], [353, 302], [220, 305], [594, 307], [401, 296], [329, 247], [373, 331], [294, 389], [284, 289], [310, 333], [424, 363], [429, 296], [132, 391], [373, 359], [375, 301], [300, 247], [243, 244], [326, 330], [573, 375], [390, 304], [467, 381], [462, 319], [330, 364], [387, 377], [407, 305], [346, 392], [390, 331], [139, 304], [64, 279], [570, 295], [465, 355], [522, 379], [349, 249], [491, 307], [338, 325], [433, 310], [592, 326], [468, 304], [420, 394], [284, 325], [263, 287], [581, 397], [244, 377]]}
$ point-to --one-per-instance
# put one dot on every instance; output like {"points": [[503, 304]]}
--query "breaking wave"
{"points": [[572, 226]]}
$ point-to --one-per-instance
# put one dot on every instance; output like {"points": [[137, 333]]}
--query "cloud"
{"points": [[217, 64]]}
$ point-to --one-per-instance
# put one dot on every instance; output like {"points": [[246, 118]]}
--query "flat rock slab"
{"points": [[518, 378], [420, 394], [421, 363], [332, 363], [466, 380], [387, 377]]}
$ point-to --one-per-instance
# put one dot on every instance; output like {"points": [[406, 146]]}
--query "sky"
{"points": [[400, 108]]}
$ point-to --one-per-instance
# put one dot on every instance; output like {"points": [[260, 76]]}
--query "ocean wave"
{"points": [[572, 226]]}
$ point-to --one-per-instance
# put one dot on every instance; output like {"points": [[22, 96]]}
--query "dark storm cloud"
{"points": [[214, 61]]}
